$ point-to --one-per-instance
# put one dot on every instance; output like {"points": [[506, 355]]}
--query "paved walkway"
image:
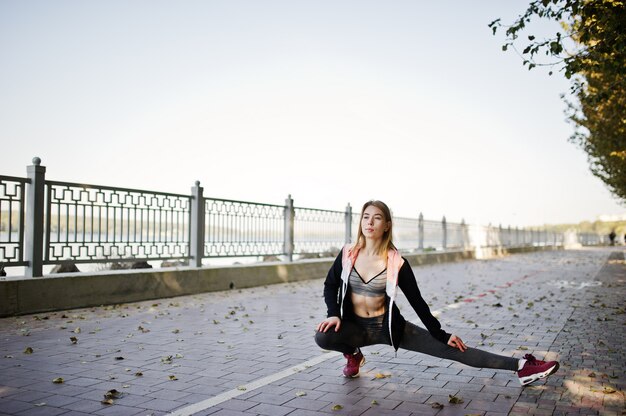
{"points": [[251, 352]]}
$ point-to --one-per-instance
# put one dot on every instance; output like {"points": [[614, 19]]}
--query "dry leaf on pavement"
{"points": [[454, 399]]}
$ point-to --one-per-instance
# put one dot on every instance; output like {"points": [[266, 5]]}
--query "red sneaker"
{"points": [[535, 369], [355, 362]]}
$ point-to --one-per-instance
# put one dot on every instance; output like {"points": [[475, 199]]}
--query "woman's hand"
{"points": [[328, 323], [457, 342]]}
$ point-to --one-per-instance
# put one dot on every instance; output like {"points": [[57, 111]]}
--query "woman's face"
{"points": [[373, 223]]}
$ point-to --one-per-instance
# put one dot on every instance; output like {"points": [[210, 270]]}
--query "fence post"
{"points": [[420, 232], [445, 233], [289, 216], [33, 238], [348, 219], [464, 238], [196, 225], [509, 237]]}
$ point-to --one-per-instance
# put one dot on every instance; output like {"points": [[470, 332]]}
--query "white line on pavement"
{"points": [[245, 388]]}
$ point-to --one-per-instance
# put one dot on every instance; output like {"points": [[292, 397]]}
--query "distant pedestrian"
{"points": [[360, 293], [612, 236]]}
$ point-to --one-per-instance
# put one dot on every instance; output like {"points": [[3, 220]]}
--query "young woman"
{"points": [[360, 292]]}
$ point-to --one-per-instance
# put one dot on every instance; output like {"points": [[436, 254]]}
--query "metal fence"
{"points": [[12, 209], [46, 222], [90, 224], [239, 228]]}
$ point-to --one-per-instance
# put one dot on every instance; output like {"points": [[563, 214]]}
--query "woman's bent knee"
{"points": [[322, 339]]}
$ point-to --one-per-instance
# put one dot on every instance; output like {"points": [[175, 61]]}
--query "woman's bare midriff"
{"points": [[368, 307]]}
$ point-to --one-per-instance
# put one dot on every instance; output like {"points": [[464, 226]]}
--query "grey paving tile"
{"points": [[120, 410], [269, 409], [269, 398], [304, 403], [13, 406], [85, 406], [160, 404], [30, 396], [42, 411], [235, 404]]}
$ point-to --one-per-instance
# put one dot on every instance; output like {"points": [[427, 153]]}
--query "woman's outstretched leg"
{"points": [[528, 369], [420, 340]]}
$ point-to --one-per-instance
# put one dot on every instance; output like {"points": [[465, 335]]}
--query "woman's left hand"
{"points": [[457, 342]]}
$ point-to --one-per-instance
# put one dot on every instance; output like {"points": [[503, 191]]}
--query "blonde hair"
{"points": [[387, 243]]}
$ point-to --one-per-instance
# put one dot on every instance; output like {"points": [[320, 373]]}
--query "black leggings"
{"points": [[362, 332]]}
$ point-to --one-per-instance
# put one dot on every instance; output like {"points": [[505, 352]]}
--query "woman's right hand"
{"points": [[328, 323]]}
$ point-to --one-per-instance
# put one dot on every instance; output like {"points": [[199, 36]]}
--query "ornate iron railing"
{"points": [[406, 233], [12, 197], [92, 223], [240, 229], [318, 231], [45, 222]]}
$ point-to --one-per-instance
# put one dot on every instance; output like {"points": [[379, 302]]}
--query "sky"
{"points": [[332, 102]]}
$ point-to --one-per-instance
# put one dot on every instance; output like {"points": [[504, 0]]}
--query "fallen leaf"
{"points": [[242, 388], [112, 394], [380, 375], [337, 407], [173, 378], [28, 350], [167, 360], [40, 404], [300, 393], [522, 348], [77, 330], [592, 374], [608, 390], [176, 331], [119, 358], [454, 399], [107, 401], [58, 380], [374, 403], [125, 386], [436, 405], [138, 374], [74, 340]]}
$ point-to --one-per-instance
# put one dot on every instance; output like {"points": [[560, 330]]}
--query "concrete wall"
{"points": [[78, 290]]}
